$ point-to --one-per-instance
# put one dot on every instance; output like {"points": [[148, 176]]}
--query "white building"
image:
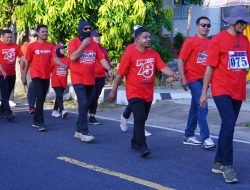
{"points": [[180, 19]]}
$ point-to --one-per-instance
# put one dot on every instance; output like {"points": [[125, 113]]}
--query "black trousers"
{"points": [[40, 89], [140, 110], [59, 98], [6, 86], [99, 84]]}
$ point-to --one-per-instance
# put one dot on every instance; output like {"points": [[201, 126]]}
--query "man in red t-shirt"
{"points": [[139, 65], [228, 59], [84, 53], [192, 65], [39, 56], [8, 53], [127, 112]]}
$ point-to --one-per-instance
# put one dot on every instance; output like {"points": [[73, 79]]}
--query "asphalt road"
{"points": [[32, 160]]}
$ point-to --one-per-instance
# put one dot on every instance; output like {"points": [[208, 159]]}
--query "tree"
{"points": [[114, 18]]}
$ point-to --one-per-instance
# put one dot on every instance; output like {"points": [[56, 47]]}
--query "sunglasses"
{"points": [[87, 29], [205, 25], [241, 22]]}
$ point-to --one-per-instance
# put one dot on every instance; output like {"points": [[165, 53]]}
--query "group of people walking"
{"points": [[223, 60]]}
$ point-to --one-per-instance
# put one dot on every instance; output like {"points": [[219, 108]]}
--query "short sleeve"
{"points": [[186, 50], [124, 65]]}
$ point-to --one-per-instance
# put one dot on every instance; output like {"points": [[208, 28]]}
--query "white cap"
{"points": [[136, 27]]}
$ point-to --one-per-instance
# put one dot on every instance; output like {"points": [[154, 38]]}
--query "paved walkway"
{"points": [[173, 114]]}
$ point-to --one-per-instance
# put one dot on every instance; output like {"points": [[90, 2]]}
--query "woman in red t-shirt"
{"points": [[59, 80]]}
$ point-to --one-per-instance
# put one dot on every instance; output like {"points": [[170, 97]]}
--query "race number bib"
{"points": [[238, 60], [61, 71]]}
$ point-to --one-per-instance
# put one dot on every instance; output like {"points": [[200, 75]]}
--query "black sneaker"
{"points": [[10, 117], [145, 152], [93, 121]]}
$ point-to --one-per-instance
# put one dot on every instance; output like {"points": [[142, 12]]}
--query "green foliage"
{"points": [[178, 41], [114, 18]]}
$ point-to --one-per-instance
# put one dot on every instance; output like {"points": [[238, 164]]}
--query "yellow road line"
{"points": [[114, 173]]}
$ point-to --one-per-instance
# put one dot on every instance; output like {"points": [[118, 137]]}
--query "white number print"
{"points": [[9, 54], [146, 67]]}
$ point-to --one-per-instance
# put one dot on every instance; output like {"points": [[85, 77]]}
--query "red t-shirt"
{"points": [[39, 55], [130, 46], [59, 74], [227, 81], [99, 69], [139, 69], [194, 55], [8, 54], [82, 71]]}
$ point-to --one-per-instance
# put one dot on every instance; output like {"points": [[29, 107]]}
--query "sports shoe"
{"points": [[10, 117], [78, 135], [41, 128], [217, 168], [32, 110], [55, 113], [35, 125], [87, 138], [123, 123], [191, 141], [93, 120], [227, 172], [208, 143], [147, 134], [64, 114], [12, 104], [145, 152]]}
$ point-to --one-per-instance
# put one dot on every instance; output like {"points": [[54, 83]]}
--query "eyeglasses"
{"points": [[205, 25], [87, 28]]}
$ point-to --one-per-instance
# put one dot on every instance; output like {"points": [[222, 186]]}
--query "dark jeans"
{"points": [[197, 114], [83, 93], [6, 86], [140, 110], [40, 89], [127, 112], [30, 94], [59, 98], [99, 84], [229, 110]]}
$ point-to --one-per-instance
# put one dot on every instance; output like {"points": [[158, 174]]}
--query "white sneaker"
{"points": [[12, 104], [64, 114], [123, 123], [147, 134], [55, 113], [87, 138], [78, 135], [208, 143], [192, 141]]}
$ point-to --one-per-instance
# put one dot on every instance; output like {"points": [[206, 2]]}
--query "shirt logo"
{"points": [[202, 58], [9, 54], [146, 67], [87, 57], [38, 52], [61, 71]]}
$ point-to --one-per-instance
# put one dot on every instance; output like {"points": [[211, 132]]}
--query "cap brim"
{"points": [[233, 20]]}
